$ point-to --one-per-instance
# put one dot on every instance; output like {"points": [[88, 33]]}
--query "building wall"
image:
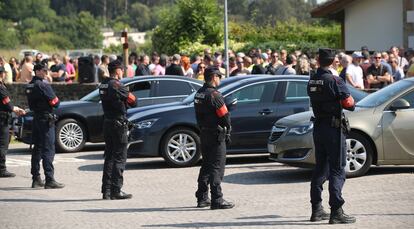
{"points": [[375, 23]]}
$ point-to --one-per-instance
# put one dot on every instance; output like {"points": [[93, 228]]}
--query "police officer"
{"points": [[329, 96], [116, 99], [214, 122], [42, 100], [6, 107]]}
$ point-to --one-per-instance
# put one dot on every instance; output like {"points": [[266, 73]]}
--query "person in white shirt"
{"points": [[402, 62], [354, 74]]}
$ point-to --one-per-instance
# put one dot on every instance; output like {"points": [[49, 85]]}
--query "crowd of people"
{"points": [[362, 69]]}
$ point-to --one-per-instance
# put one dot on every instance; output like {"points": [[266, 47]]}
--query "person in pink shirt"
{"points": [[159, 69], [70, 69], [130, 67]]}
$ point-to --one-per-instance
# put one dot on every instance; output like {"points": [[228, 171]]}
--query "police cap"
{"points": [[211, 71], [40, 66], [326, 54], [2, 69], [112, 66]]}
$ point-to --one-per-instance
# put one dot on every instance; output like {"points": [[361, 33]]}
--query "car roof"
{"points": [[258, 78], [135, 78]]}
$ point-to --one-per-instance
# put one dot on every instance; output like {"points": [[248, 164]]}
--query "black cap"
{"points": [[211, 71], [2, 69], [112, 66], [364, 48], [40, 66], [326, 54]]}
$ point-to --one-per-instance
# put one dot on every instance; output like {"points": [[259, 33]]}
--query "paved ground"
{"points": [[267, 194]]}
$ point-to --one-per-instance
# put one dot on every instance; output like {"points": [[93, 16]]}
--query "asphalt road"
{"points": [[267, 195]]}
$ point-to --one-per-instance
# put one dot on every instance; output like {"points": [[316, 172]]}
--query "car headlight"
{"points": [[145, 124], [278, 129], [300, 130]]}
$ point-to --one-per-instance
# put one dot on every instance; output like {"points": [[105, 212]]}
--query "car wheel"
{"points": [[358, 155], [181, 147], [70, 135]]}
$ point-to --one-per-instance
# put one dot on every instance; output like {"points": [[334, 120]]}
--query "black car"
{"points": [[81, 121], [171, 131]]}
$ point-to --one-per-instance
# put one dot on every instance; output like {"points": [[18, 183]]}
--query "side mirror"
{"points": [[399, 104], [230, 102]]}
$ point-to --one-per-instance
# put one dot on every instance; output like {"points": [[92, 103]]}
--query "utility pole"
{"points": [[104, 13], [126, 6], [226, 35], [124, 41]]}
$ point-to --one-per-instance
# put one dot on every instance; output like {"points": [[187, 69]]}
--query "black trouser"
{"points": [[330, 155], [4, 144], [44, 146], [115, 134], [212, 167]]}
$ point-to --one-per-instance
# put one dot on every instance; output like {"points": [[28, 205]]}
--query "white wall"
{"points": [[375, 23]]}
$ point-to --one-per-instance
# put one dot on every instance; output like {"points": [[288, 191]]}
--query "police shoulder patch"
{"points": [[200, 95]]}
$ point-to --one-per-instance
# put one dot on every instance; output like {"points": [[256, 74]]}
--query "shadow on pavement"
{"points": [[133, 210], [46, 201], [239, 224], [20, 150], [90, 156], [270, 177], [389, 170], [159, 163]]}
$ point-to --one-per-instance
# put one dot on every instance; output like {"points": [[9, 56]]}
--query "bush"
{"points": [[289, 35], [49, 42]]}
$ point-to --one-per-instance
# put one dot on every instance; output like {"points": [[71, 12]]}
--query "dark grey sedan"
{"points": [[81, 121]]}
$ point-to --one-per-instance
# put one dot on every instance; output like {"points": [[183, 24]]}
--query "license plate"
{"points": [[271, 148]]}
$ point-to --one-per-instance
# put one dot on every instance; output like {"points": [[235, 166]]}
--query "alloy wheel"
{"points": [[181, 148], [356, 155], [71, 135]]}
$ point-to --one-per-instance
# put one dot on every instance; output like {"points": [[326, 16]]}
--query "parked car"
{"points": [[81, 121], [172, 132], [382, 129]]}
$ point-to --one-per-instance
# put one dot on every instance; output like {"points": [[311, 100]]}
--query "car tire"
{"points": [[70, 136], [359, 155], [180, 147]]}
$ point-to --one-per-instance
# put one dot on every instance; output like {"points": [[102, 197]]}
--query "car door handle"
{"points": [[265, 112]]}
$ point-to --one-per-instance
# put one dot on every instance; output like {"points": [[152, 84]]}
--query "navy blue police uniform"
{"points": [[6, 108], [328, 96], [42, 100], [116, 99], [214, 122]]}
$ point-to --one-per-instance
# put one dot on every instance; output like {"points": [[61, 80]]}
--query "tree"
{"points": [[9, 38], [140, 15], [88, 31], [28, 27], [189, 21]]}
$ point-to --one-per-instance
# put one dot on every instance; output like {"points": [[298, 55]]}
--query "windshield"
{"points": [[92, 97], [379, 97]]}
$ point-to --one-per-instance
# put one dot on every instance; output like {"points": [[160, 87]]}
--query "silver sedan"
{"points": [[382, 132]]}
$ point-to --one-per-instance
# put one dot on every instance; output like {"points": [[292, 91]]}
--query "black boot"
{"points": [[339, 217], [38, 183], [106, 195], [5, 174], [53, 185], [223, 205], [120, 195], [203, 203], [318, 214]]}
